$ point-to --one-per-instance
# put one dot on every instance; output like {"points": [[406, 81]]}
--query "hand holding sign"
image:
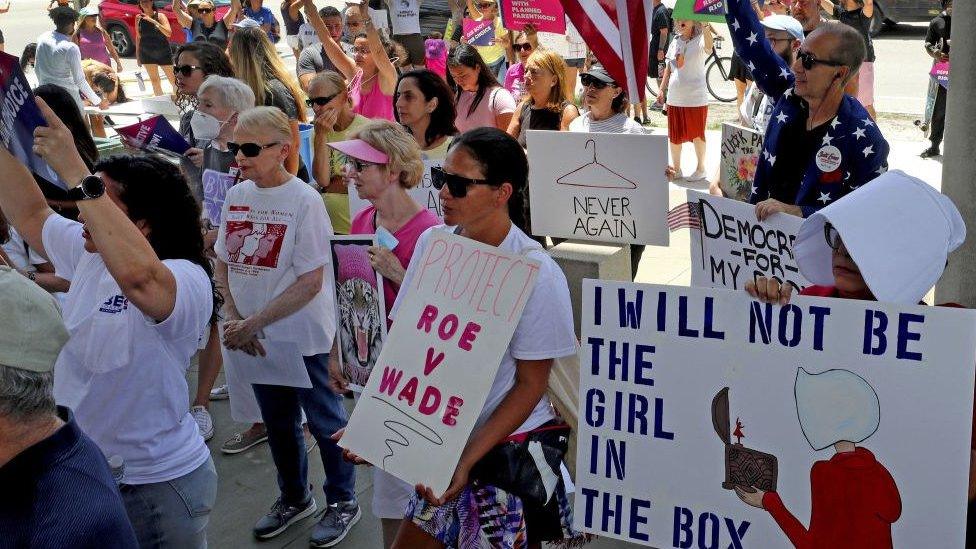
{"points": [[55, 144]]}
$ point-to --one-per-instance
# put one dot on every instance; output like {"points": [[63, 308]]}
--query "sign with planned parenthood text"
{"points": [[708, 419], [432, 377], [599, 186], [424, 193], [545, 15], [730, 247]]}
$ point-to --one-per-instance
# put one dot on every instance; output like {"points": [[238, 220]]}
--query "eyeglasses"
{"points": [[361, 51], [320, 101], [185, 70], [522, 47], [775, 39], [809, 61], [456, 184], [832, 236], [249, 150], [359, 165], [354, 22], [486, 5], [588, 80], [204, 10]]}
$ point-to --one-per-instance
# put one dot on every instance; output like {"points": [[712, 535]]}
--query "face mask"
{"points": [[204, 126]]}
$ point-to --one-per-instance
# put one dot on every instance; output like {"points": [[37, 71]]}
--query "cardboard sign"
{"points": [[215, 186], [730, 247], [433, 374], [479, 33], [700, 10], [155, 135], [741, 148], [687, 394], [424, 193], [940, 72], [598, 186], [361, 319], [19, 117], [545, 15]]}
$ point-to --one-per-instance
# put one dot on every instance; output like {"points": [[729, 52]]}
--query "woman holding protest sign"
{"points": [[545, 105], [140, 299], [425, 106], [480, 101], [685, 93], [384, 162]]}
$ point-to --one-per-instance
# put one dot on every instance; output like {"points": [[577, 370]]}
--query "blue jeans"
{"points": [[281, 410], [174, 513]]}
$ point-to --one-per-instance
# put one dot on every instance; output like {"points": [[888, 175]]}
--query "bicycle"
{"points": [[717, 77]]}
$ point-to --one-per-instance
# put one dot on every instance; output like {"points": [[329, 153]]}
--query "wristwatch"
{"points": [[32, 276], [90, 188]]}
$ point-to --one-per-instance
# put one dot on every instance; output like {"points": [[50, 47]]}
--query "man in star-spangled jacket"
{"points": [[820, 143]]}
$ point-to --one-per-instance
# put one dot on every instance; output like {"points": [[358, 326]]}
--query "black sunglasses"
{"points": [[589, 80], [456, 184], [359, 165], [320, 101], [186, 70], [249, 150], [809, 61], [522, 47]]}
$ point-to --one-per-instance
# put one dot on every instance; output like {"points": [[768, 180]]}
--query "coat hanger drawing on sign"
{"points": [[596, 175]]}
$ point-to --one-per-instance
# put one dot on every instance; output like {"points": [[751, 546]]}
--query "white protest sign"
{"points": [[730, 247], [432, 377], [687, 393], [741, 148], [598, 186], [424, 193]]}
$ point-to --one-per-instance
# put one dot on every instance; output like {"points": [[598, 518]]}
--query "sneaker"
{"points": [[655, 106], [281, 517], [204, 421], [930, 152], [338, 519], [244, 441], [219, 393], [697, 176]]}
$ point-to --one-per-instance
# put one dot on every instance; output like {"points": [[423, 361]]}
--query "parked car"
{"points": [[888, 13], [118, 18]]}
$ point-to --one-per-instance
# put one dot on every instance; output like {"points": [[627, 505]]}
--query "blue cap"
{"points": [[784, 23]]}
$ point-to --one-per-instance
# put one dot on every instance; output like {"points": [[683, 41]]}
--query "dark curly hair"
{"points": [[502, 160], [63, 17], [211, 59], [432, 85], [154, 190]]}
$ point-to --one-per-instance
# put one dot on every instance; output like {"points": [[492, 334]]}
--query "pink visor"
{"points": [[359, 149]]}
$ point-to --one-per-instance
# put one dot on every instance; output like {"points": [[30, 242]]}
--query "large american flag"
{"points": [[616, 31]]}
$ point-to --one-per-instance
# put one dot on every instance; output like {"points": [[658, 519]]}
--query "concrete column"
{"points": [[580, 260], [958, 284]]}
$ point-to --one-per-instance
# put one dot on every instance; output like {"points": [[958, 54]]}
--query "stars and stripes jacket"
{"points": [[852, 136]]}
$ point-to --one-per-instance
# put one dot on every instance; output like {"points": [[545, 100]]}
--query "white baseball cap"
{"points": [[784, 23], [31, 330], [247, 23]]}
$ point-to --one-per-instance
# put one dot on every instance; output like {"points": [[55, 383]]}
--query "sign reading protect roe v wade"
{"points": [[686, 393], [730, 246], [432, 377], [599, 186]]}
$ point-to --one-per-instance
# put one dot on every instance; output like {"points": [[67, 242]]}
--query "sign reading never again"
{"points": [[667, 372]]}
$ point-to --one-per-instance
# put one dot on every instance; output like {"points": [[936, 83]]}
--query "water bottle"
{"points": [[142, 82], [117, 465]]}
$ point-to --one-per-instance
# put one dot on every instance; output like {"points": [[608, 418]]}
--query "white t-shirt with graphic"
{"points": [[268, 238], [405, 16], [122, 373], [544, 331]]}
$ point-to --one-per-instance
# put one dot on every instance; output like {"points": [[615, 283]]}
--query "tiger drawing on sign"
{"points": [[360, 328]]}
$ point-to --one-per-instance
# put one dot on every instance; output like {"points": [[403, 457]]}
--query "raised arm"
{"points": [[868, 8], [182, 17], [829, 7], [345, 64], [233, 13], [708, 35], [769, 70], [162, 23], [387, 72]]}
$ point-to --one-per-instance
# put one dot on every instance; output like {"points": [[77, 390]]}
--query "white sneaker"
{"points": [[219, 393], [697, 176], [204, 421]]}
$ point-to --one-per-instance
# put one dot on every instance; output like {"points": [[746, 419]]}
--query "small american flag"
{"points": [[684, 216]]}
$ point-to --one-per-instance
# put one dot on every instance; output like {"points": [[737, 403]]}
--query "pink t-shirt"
{"points": [[373, 104], [407, 236], [494, 102], [515, 80]]}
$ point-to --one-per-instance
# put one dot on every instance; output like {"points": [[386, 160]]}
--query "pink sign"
{"points": [[479, 33], [940, 71], [544, 15], [710, 7]]}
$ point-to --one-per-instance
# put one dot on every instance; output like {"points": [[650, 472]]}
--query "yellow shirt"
{"points": [[337, 204], [494, 52]]}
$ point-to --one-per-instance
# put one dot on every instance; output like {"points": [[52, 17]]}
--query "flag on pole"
{"points": [[616, 31]]}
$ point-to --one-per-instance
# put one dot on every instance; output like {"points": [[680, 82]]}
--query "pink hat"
{"points": [[359, 149], [354, 263]]}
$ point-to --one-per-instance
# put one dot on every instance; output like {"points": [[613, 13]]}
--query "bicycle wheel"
{"points": [[651, 86], [717, 79]]}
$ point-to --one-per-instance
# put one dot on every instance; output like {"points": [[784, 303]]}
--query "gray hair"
{"points": [[26, 395], [849, 48], [231, 93]]}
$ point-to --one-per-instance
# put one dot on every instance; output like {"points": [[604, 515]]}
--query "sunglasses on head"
{"points": [[522, 47], [456, 184], [588, 80], [320, 101], [185, 70], [809, 61], [205, 10], [249, 150]]}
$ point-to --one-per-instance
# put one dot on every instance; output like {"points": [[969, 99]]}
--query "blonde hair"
{"points": [[332, 79], [400, 146], [263, 120], [256, 61], [554, 63]]}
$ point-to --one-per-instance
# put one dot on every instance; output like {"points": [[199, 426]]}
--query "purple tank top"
{"points": [[373, 104], [92, 46]]}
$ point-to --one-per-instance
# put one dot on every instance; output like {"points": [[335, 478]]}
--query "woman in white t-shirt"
{"points": [[140, 300], [483, 187], [273, 252], [687, 97], [480, 100]]}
